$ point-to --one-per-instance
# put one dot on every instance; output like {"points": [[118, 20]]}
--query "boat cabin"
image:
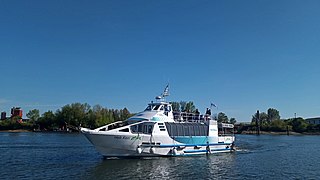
{"points": [[160, 107], [155, 111]]}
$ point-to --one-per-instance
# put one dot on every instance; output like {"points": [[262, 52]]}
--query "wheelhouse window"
{"points": [[156, 107], [145, 128], [149, 108], [167, 108]]}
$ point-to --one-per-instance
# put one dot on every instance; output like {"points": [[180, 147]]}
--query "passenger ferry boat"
{"points": [[158, 131]]}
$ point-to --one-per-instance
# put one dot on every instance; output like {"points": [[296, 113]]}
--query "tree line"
{"points": [[82, 114], [70, 115], [271, 121]]}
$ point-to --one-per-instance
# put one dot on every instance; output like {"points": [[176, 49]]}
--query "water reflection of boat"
{"points": [[158, 131]]}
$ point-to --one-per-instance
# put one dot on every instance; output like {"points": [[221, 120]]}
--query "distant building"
{"points": [[313, 120], [16, 111], [3, 115]]}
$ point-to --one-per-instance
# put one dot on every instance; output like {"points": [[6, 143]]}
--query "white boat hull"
{"points": [[110, 145], [158, 131]]}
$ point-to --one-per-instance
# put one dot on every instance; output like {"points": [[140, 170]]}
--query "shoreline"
{"points": [[243, 132], [278, 133], [34, 131], [16, 130]]}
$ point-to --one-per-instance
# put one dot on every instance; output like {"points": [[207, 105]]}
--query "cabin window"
{"points": [[156, 107], [145, 128], [140, 127], [150, 127], [134, 128], [186, 129], [148, 108], [124, 130]]}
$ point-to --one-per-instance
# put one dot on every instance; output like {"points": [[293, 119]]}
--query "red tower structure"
{"points": [[16, 111]]}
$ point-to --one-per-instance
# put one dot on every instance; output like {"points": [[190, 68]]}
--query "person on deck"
{"points": [[208, 114], [197, 113]]}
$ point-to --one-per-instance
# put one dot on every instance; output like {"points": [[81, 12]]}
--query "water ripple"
{"points": [[70, 156]]}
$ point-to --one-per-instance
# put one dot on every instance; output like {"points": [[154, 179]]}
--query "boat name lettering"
{"points": [[121, 137]]}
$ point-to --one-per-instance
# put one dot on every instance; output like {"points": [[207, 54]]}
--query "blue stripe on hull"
{"points": [[195, 151], [192, 139], [189, 145], [205, 151]]}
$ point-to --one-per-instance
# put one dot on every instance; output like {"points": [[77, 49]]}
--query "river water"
{"points": [[71, 156]]}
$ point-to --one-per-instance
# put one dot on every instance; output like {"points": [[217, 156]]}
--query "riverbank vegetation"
{"points": [[271, 122], [69, 117], [72, 116]]}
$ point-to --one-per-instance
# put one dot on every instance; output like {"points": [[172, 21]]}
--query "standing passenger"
{"points": [[208, 114], [197, 113]]}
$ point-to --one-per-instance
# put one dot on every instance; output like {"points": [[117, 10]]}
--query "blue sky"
{"points": [[241, 55]]}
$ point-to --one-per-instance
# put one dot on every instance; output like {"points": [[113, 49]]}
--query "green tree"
{"points": [[47, 121], [91, 119], [190, 107], [223, 118], [175, 106], [124, 114], [14, 124], [99, 116], [183, 105], [33, 115], [75, 114], [273, 114], [278, 125], [232, 120], [299, 125], [263, 118]]}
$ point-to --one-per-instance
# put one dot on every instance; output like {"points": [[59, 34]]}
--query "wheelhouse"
{"points": [[159, 106]]}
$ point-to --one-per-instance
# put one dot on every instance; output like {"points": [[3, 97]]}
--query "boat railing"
{"points": [[113, 125], [191, 117], [225, 129]]}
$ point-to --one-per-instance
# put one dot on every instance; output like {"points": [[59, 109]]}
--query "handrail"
{"points": [[190, 117]]}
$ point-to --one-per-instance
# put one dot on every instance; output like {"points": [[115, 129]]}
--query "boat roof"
{"points": [[158, 102]]}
